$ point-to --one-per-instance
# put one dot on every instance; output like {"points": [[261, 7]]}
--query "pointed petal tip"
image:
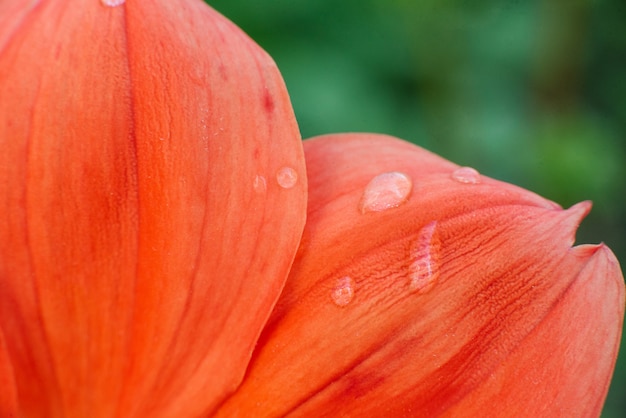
{"points": [[608, 259], [581, 209], [597, 253], [602, 259], [606, 273], [573, 217]]}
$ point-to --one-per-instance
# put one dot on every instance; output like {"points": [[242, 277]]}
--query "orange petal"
{"points": [[153, 193], [581, 335], [417, 308], [8, 394]]}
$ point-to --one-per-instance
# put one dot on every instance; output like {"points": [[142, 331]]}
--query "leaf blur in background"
{"points": [[530, 92]]}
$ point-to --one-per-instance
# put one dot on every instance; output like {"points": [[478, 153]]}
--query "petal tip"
{"points": [[580, 210], [605, 258], [574, 216], [601, 259]]}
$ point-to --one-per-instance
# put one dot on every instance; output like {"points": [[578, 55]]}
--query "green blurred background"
{"points": [[528, 91]]}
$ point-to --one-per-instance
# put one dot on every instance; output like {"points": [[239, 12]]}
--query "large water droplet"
{"points": [[113, 3], [424, 267], [386, 191], [259, 184], [343, 292], [466, 175], [287, 177]]}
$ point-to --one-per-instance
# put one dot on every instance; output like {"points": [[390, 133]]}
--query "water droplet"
{"points": [[343, 292], [424, 269], [466, 175], [287, 177], [386, 191], [113, 3], [259, 184]]}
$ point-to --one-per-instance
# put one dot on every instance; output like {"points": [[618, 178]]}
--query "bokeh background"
{"points": [[532, 92]]}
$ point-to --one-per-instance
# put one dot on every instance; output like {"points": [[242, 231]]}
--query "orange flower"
{"points": [[153, 193], [425, 289]]}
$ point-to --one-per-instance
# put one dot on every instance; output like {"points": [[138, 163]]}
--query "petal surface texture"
{"points": [[145, 236], [464, 298]]}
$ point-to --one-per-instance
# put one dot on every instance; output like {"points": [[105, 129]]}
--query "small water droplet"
{"points": [[343, 292], [113, 3], [466, 175], [424, 269], [259, 184], [386, 191], [287, 177]]}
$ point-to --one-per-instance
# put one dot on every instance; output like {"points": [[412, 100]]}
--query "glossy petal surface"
{"points": [[137, 251], [453, 295]]}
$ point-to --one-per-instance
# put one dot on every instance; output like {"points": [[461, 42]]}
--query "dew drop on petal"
{"points": [[112, 3], [466, 175], [287, 177], [259, 184], [424, 267], [386, 191], [343, 292]]}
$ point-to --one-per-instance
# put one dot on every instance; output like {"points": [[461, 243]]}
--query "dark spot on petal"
{"points": [[268, 102], [222, 72]]}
